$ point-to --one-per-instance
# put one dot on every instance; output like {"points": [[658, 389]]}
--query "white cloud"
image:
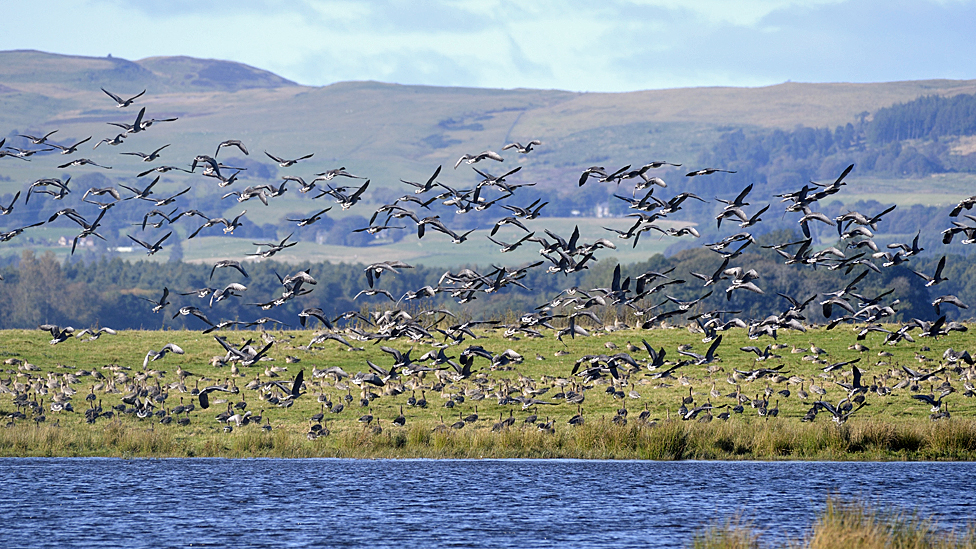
{"points": [[578, 45]]}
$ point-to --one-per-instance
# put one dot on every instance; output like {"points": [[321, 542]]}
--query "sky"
{"points": [[574, 45]]}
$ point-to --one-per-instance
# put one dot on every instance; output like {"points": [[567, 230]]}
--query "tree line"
{"points": [[903, 140], [112, 292]]}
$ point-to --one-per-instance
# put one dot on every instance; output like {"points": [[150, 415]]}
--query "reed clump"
{"points": [[846, 524], [734, 533]]}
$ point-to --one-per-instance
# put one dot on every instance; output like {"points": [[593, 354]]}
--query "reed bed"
{"points": [[846, 525], [597, 439]]}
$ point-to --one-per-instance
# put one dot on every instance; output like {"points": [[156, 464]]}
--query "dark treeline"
{"points": [[929, 117], [111, 292]]}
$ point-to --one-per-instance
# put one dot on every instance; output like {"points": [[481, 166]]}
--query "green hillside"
{"points": [[387, 132], [391, 131]]}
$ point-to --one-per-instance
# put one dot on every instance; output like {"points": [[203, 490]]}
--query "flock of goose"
{"points": [[465, 376]]}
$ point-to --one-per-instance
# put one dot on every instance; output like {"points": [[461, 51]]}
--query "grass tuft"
{"points": [[843, 525]]}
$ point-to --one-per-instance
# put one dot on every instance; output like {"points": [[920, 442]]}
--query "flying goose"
{"points": [[475, 158], [283, 163], [524, 149], [148, 157], [121, 103]]}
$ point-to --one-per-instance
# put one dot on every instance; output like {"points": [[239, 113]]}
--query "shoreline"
{"points": [[601, 440]]}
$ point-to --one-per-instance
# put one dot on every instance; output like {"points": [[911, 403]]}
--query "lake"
{"points": [[129, 504]]}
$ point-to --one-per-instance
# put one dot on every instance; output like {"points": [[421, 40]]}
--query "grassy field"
{"points": [[895, 426]]}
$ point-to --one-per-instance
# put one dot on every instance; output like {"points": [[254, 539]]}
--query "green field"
{"points": [[894, 426]]}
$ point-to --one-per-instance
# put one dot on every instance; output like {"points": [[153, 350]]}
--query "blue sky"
{"points": [[610, 45]]}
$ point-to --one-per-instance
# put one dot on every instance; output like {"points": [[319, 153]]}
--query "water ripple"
{"points": [[381, 504]]}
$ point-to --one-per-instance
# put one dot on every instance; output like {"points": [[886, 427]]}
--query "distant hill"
{"points": [[410, 128], [388, 132], [162, 74]]}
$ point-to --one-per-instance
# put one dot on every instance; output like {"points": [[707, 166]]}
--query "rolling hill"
{"points": [[387, 132]]}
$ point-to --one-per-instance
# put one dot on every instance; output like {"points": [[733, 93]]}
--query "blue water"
{"points": [[130, 504]]}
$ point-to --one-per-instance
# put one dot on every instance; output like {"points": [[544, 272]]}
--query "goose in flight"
{"points": [[70, 148], [707, 171], [10, 208], [37, 140], [309, 220], [58, 194], [95, 334], [931, 400], [232, 143], [144, 194], [273, 247], [228, 263], [148, 157], [22, 154], [186, 311], [234, 223], [524, 149], [152, 248], [709, 355], [137, 126], [87, 229], [349, 201], [204, 394], [505, 247], [935, 278], [229, 291], [162, 169], [121, 103], [117, 140], [83, 162], [59, 334], [283, 163], [301, 181], [159, 203], [375, 270], [496, 180], [161, 303], [374, 291], [111, 191], [259, 192], [474, 158], [5, 236], [660, 163], [424, 187], [157, 355], [951, 300], [328, 175], [314, 312]]}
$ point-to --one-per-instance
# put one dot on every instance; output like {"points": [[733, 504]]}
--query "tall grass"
{"points": [[847, 525], [734, 533], [844, 524], [597, 439]]}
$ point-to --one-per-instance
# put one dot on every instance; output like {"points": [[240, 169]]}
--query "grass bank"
{"points": [[597, 439]]}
